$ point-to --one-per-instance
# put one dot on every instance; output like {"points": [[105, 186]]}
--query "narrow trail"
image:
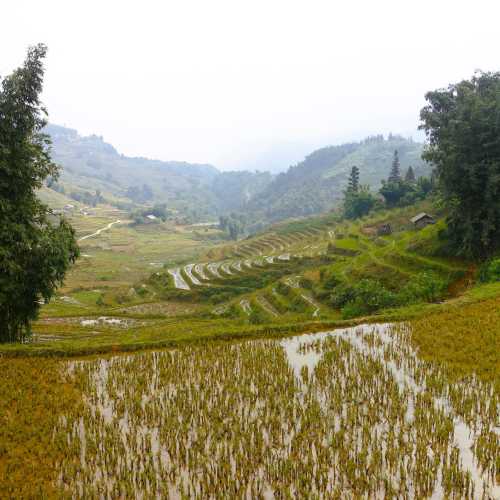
{"points": [[99, 231], [311, 301]]}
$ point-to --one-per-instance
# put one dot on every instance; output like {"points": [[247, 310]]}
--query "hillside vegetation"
{"points": [[316, 184], [135, 287], [201, 192]]}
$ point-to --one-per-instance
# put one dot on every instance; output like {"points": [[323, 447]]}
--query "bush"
{"points": [[306, 283], [352, 310], [371, 295], [490, 271], [365, 297], [342, 294], [426, 286], [330, 281], [257, 317], [283, 289]]}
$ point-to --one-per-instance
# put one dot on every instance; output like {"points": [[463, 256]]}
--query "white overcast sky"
{"points": [[246, 83]]}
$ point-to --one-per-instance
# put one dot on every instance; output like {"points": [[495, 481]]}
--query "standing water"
{"points": [[351, 413]]}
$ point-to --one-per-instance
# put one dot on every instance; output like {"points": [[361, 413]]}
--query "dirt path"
{"points": [[99, 231]]}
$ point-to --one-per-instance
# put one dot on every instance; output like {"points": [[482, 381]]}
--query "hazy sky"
{"points": [[246, 83]]}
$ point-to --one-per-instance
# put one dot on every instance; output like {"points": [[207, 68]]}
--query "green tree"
{"points": [[393, 192], [360, 203], [34, 254], [410, 175], [395, 175], [353, 185], [462, 124], [234, 229]]}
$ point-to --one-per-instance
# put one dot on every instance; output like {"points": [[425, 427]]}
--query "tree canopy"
{"points": [[34, 253], [358, 200], [462, 123], [395, 175], [353, 185]]}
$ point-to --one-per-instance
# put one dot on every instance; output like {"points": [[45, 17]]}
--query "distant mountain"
{"points": [[202, 191], [234, 190], [90, 164], [316, 184]]}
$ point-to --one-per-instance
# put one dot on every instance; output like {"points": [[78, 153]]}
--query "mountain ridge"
{"points": [[202, 191]]}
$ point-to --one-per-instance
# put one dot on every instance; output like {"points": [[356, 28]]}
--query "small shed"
{"points": [[422, 220]]}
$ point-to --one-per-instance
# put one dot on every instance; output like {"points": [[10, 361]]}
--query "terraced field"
{"points": [[159, 283], [275, 276]]}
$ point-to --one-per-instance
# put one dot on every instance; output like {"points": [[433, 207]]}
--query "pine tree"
{"points": [[353, 186], [410, 175], [395, 175]]}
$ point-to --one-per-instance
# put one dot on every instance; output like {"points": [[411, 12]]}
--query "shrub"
{"points": [[306, 283], [425, 286], [366, 297], [283, 289], [490, 271], [342, 294], [330, 281], [352, 310], [257, 317]]}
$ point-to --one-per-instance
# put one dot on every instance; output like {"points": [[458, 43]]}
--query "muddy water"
{"points": [[179, 281], [350, 413], [300, 356]]}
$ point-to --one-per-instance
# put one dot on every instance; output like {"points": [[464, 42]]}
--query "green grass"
{"points": [[117, 280], [174, 332]]}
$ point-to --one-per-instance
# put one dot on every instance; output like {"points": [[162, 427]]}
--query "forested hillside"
{"points": [[90, 164], [316, 184], [201, 191]]}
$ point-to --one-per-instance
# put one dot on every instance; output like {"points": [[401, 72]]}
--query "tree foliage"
{"points": [[34, 254], [462, 123], [358, 203], [234, 224], [410, 175], [353, 185], [395, 175]]}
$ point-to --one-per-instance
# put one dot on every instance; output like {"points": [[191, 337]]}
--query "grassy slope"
{"points": [[121, 258]]}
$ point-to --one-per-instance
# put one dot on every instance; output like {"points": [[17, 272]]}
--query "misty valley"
{"points": [[328, 328]]}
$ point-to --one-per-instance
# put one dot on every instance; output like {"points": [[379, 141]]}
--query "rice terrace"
{"points": [[169, 329]]}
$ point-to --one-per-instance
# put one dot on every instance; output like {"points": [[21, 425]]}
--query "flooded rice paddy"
{"points": [[347, 414]]}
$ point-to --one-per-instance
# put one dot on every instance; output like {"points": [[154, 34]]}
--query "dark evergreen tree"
{"points": [[410, 175], [395, 175], [353, 185], [34, 254], [463, 130]]}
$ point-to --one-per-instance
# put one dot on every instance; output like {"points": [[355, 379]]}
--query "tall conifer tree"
{"points": [[410, 175], [395, 175], [353, 186]]}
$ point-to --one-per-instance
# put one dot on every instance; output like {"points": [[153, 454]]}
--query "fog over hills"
{"points": [[203, 191]]}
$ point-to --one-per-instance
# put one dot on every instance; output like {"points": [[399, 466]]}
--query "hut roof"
{"points": [[421, 216]]}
